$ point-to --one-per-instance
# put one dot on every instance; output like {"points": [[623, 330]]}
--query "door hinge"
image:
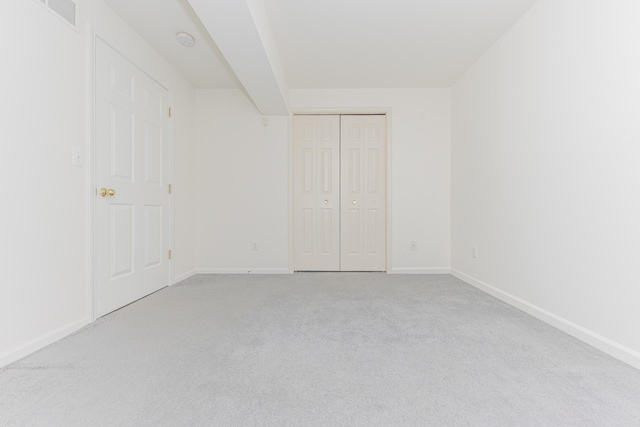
{"points": [[170, 254], [170, 189], [169, 111]]}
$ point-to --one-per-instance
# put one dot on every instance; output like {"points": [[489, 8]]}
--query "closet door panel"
{"points": [[363, 195], [316, 193]]}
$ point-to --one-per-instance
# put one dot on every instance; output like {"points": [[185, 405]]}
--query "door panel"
{"points": [[121, 143], [153, 154], [316, 192], [153, 235], [122, 241], [363, 193], [132, 158]]}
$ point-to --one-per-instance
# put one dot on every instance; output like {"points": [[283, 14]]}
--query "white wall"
{"points": [[44, 291], [184, 179], [242, 186], [420, 166], [43, 202], [545, 176]]}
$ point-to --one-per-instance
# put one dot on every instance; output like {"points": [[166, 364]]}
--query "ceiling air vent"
{"points": [[65, 9]]}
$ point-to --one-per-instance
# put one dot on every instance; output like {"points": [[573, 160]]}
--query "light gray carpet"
{"points": [[319, 349]]}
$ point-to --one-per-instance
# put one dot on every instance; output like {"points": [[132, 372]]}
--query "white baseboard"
{"points": [[23, 350], [242, 271], [442, 270], [183, 277], [604, 344]]}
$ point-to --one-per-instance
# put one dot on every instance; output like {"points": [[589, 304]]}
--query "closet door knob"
{"points": [[355, 202]]}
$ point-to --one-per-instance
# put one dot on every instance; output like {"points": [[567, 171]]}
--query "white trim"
{"points": [[183, 277], [41, 342], [441, 270], [604, 344], [389, 193], [339, 111], [242, 271], [89, 164], [170, 181], [290, 200]]}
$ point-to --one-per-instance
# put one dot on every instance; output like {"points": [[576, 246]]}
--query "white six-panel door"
{"points": [[339, 193], [131, 166], [362, 191], [317, 192]]}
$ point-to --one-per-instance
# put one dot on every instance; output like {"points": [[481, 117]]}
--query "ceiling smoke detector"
{"points": [[185, 39]]}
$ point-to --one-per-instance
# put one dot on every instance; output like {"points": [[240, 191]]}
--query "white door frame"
{"points": [[90, 164], [386, 111]]}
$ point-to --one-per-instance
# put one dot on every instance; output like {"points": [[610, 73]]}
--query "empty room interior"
{"points": [[369, 161]]}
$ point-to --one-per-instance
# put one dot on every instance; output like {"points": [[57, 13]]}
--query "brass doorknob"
{"points": [[355, 202], [326, 201], [104, 192]]}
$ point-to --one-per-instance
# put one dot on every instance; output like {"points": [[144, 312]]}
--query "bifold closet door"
{"points": [[317, 193], [339, 193], [363, 195]]}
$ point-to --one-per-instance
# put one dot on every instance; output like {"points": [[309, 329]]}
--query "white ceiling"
{"points": [[158, 21], [384, 43], [340, 43]]}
